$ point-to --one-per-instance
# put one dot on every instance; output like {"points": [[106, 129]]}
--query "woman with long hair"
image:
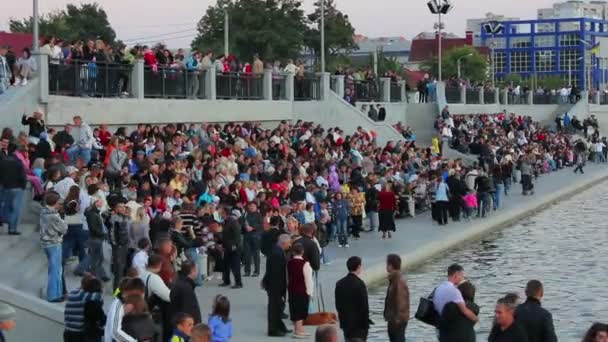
{"points": [[76, 237], [597, 333]]}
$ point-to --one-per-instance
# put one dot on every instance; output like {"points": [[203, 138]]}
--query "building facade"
{"points": [[474, 25], [570, 48]]}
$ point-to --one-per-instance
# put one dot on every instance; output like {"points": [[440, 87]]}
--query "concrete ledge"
{"points": [[503, 219]]}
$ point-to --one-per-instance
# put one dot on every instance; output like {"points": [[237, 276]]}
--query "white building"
{"points": [[573, 9], [474, 25]]}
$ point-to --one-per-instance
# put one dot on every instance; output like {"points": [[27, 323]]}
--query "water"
{"points": [[563, 246]]}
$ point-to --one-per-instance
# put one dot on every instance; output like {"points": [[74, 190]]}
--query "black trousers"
{"points": [[119, 264], [396, 331], [252, 241], [357, 224], [455, 206], [276, 306], [232, 263], [442, 211]]}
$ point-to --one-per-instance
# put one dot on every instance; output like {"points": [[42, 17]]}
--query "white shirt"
{"points": [[599, 147], [140, 262], [63, 186], [445, 293], [308, 280], [113, 329], [291, 68], [156, 286]]}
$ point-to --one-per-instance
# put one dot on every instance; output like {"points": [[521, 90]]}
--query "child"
{"points": [[470, 203], [219, 321], [183, 328]]}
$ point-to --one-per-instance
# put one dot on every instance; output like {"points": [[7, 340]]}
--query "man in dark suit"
{"points": [[311, 248], [275, 284], [352, 304], [183, 297], [535, 320], [231, 244]]}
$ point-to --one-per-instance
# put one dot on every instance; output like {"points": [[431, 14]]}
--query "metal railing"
{"points": [[604, 99], [333, 84], [518, 99], [88, 78], [488, 97], [239, 86], [472, 96], [395, 92], [166, 82], [307, 87], [452, 95], [366, 91], [279, 86]]}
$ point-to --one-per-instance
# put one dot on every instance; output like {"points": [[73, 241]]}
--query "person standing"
{"points": [[397, 301], [534, 319], [119, 239], [300, 288], [506, 329], [387, 205], [312, 252], [253, 226], [183, 297], [352, 303], [52, 230], [12, 185], [231, 246], [275, 284], [453, 325], [357, 206], [442, 201], [447, 292], [371, 205], [97, 235]]}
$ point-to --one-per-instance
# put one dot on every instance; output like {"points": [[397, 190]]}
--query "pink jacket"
{"points": [[470, 200]]}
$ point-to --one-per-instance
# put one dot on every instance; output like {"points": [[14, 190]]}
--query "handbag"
{"points": [[321, 317], [426, 312]]}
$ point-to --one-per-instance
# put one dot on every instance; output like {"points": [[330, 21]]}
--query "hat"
{"points": [[167, 215], [7, 313], [71, 169]]}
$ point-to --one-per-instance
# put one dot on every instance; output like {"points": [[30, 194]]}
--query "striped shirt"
{"points": [[74, 308]]}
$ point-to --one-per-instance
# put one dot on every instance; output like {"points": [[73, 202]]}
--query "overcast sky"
{"points": [[143, 18]]}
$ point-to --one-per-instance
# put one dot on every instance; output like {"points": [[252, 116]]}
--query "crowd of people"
{"points": [[180, 202]]}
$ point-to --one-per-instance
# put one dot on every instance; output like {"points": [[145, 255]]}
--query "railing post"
{"points": [[43, 62], [268, 85], [385, 83], [137, 79], [402, 94], [596, 97], [482, 99], [463, 94], [289, 87], [505, 96], [530, 96], [340, 85], [497, 96], [325, 85], [210, 84]]}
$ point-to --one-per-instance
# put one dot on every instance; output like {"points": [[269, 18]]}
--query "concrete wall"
{"points": [[421, 117], [126, 112], [337, 112], [16, 101], [36, 320]]}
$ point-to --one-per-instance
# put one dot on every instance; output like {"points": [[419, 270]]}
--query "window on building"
{"points": [[499, 62], [545, 27], [496, 43], [566, 26], [545, 61], [544, 41], [520, 61], [571, 39], [520, 42], [569, 60]]}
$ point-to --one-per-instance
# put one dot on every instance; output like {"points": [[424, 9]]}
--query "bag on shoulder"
{"points": [[426, 312]]}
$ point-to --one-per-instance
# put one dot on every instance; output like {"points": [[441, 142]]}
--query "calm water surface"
{"points": [[564, 246]]}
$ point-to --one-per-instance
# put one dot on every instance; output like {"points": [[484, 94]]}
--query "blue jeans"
{"points": [[84, 265], [508, 182], [76, 152], [251, 246], [372, 216], [342, 231], [54, 287], [75, 239], [192, 254], [483, 201], [498, 195], [12, 205]]}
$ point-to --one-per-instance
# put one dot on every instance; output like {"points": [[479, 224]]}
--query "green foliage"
{"points": [[272, 28], [473, 65], [80, 22], [550, 82], [339, 32], [513, 80]]}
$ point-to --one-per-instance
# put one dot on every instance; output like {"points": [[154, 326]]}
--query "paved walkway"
{"points": [[416, 240]]}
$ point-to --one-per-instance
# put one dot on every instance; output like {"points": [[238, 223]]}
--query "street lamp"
{"points": [[439, 7], [322, 30], [458, 62], [36, 42]]}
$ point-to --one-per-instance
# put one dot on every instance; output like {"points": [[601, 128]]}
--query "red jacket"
{"points": [[387, 200]]}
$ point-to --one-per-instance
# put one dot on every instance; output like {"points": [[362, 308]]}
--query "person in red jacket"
{"points": [[386, 210], [299, 288]]}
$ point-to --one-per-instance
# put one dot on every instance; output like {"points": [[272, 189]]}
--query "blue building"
{"points": [[575, 49]]}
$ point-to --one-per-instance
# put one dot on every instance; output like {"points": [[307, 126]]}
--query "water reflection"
{"points": [[563, 246]]}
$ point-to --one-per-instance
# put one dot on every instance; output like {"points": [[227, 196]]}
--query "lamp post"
{"points": [[458, 62], [36, 42], [226, 33], [439, 7], [322, 30]]}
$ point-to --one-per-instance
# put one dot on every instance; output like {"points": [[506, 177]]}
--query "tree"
{"points": [[339, 32], [274, 29], [81, 22], [473, 65], [386, 63]]}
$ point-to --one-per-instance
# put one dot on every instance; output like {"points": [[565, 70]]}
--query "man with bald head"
{"points": [[326, 333]]}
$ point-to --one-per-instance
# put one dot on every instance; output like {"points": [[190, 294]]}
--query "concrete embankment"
{"points": [[416, 240]]}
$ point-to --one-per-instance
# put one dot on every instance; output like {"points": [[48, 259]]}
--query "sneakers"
{"points": [[346, 246], [24, 82], [340, 246]]}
